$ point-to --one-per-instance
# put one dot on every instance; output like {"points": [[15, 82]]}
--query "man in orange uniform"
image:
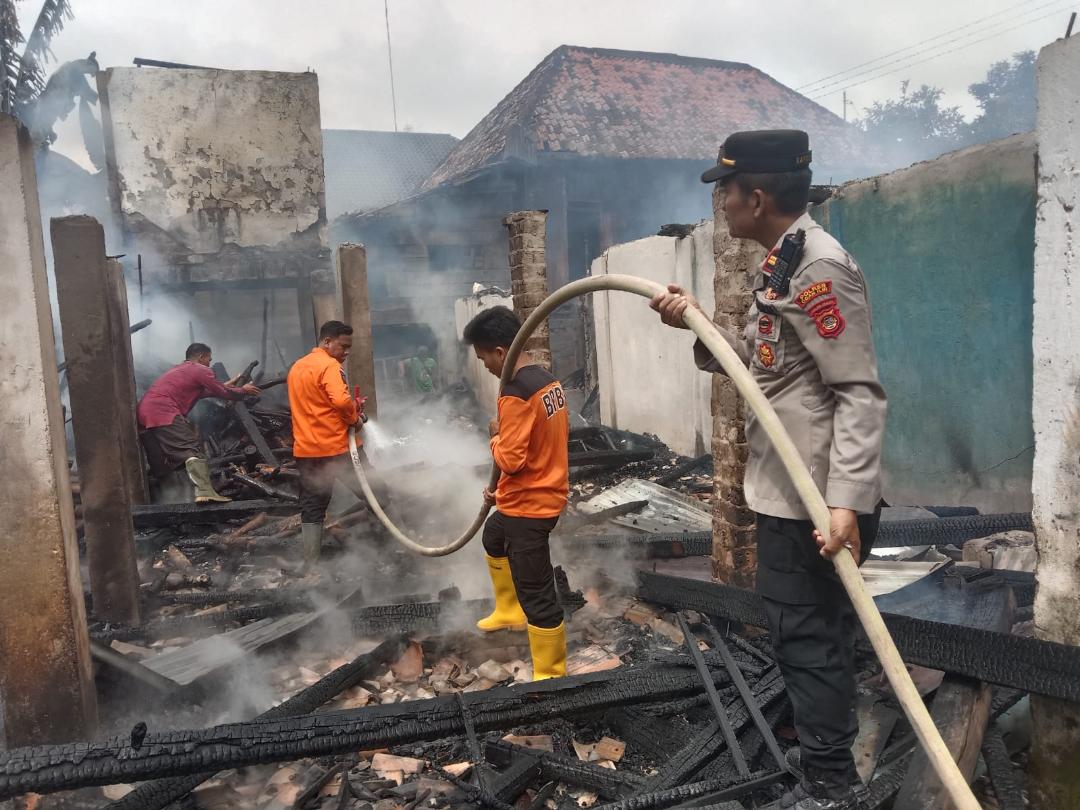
{"points": [[323, 410], [529, 444]]}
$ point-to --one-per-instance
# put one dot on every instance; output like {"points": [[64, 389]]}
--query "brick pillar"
{"points": [[350, 264], [734, 558], [528, 276], [98, 369], [1055, 749], [45, 673]]}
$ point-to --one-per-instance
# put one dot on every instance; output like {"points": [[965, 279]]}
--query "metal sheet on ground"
{"points": [[667, 510]]}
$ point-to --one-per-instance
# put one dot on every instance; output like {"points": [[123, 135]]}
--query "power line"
{"points": [[853, 68], [833, 90], [390, 57], [936, 50]]}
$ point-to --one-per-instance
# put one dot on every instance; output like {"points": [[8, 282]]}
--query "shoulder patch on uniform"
{"points": [[814, 291], [766, 355], [826, 314]]}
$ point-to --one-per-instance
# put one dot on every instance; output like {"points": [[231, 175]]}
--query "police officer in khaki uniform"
{"points": [[809, 347]]}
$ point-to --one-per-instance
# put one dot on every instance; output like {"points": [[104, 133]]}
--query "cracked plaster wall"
{"points": [[208, 161]]}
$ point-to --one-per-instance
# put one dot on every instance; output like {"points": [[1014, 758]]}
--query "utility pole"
{"points": [[390, 57]]}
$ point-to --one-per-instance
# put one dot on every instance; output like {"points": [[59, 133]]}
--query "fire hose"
{"points": [[940, 758]]}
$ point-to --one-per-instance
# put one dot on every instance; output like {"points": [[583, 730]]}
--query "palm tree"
{"points": [[22, 76]]}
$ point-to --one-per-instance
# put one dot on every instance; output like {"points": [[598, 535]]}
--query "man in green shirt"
{"points": [[421, 370]]}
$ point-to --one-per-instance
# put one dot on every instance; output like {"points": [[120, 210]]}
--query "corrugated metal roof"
{"points": [[668, 511]]}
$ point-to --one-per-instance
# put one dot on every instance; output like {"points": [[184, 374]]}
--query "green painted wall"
{"points": [[947, 248]]}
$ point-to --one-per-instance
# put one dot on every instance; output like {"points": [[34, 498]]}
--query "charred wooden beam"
{"points": [[1042, 667], [269, 490], [679, 470], [415, 617], [157, 794], [195, 625], [717, 790], [43, 769], [894, 533], [607, 783], [753, 743], [942, 531], [609, 458], [516, 772], [243, 415], [708, 743], [748, 698], [1008, 780], [163, 515], [718, 707]]}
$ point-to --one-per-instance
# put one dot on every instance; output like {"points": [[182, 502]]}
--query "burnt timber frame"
{"points": [[1042, 667], [43, 769]]}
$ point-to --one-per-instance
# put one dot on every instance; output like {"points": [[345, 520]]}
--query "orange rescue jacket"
{"points": [[322, 407], [531, 447]]}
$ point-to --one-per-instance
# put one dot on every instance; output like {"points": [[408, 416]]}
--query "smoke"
{"points": [[430, 466]]}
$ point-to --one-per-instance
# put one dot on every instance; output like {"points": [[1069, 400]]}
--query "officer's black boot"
{"points": [[820, 789]]}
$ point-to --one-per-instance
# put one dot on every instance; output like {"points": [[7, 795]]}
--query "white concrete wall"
{"points": [[215, 157], [647, 377], [1056, 394], [46, 686], [484, 384], [1056, 410]]}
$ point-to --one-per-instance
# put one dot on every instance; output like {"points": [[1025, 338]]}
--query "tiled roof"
{"points": [[367, 170], [597, 102]]}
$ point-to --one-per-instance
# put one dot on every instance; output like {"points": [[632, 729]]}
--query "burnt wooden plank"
{"points": [[163, 515], [960, 710], [1008, 780], [876, 722]]}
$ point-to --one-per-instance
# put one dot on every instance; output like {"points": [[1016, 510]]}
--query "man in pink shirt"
{"points": [[171, 441]]}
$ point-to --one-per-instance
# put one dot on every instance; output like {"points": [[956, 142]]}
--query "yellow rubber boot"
{"points": [[508, 614], [548, 647]]}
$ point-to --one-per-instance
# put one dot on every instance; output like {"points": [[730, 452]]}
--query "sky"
{"points": [[455, 59]]}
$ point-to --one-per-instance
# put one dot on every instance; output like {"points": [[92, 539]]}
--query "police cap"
{"points": [[762, 151]]}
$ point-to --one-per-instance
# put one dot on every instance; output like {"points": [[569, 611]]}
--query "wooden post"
{"points": [[45, 673], [126, 399], [350, 264], [98, 370], [528, 276]]}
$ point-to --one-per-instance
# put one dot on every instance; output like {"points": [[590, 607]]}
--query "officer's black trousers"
{"points": [[813, 630]]}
